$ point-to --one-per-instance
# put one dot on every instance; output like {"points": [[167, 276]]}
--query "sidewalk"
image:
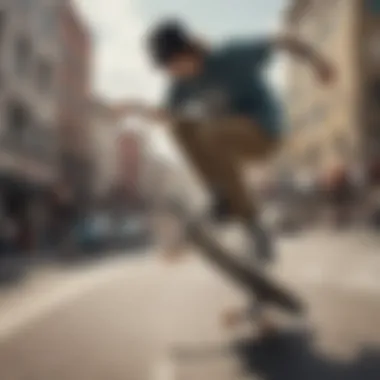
{"points": [[49, 286]]}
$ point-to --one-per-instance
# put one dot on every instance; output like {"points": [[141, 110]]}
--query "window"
{"points": [[44, 76], [39, 141], [17, 122], [48, 20], [32, 137], [17, 117], [22, 57]]}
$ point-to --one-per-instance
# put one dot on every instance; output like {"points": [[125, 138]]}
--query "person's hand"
{"points": [[231, 318], [141, 109]]}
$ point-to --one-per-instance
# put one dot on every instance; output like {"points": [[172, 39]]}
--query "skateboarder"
{"points": [[224, 113]]}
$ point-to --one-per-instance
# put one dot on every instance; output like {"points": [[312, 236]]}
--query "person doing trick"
{"points": [[223, 115], [224, 112]]}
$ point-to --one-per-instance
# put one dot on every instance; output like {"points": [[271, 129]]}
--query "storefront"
{"points": [[24, 204], [24, 213]]}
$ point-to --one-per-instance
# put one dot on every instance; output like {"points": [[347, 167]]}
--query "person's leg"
{"points": [[217, 151], [256, 312], [219, 173], [197, 150], [238, 142]]}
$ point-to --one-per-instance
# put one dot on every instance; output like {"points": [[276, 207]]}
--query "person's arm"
{"points": [[302, 50], [258, 53], [159, 115]]}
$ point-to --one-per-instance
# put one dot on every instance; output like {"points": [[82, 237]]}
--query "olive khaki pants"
{"points": [[218, 151]]}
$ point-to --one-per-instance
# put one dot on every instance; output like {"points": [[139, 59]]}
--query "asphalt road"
{"points": [[122, 319]]}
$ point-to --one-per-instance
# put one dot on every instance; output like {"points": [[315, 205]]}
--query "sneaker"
{"points": [[232, 318], [264, 246], [266, 326], [220, 210]]}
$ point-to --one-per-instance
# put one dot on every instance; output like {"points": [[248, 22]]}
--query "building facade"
{"points": [[105, 133], [29, 91], [334, 126], [74, 105], [129, 161], [369, 69], [151, 170]]}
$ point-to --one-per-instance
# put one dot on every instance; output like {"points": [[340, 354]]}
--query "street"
{"points": [[121, 319]]}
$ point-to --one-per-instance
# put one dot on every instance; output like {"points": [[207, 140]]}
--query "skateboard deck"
{"points": [[245, 275]]}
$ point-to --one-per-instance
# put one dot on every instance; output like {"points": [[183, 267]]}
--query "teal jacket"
{"points": [[233, 81]]}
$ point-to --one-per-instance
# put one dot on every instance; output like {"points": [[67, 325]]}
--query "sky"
{"points": [[122, 70]]}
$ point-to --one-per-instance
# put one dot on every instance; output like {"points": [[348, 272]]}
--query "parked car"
{"points": [[135, 231], [93, 233], [282, 219], [96, 234]]}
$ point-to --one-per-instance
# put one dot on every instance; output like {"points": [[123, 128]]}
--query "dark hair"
{"points": [[169, 39]]}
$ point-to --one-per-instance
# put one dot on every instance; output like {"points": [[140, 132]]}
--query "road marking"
{"points": [[73, 287]]}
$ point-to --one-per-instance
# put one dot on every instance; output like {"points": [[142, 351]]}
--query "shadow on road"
{"points": [[291, 356]]}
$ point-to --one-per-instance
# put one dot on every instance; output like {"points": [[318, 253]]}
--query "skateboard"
{"points": [[244, 274]]}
